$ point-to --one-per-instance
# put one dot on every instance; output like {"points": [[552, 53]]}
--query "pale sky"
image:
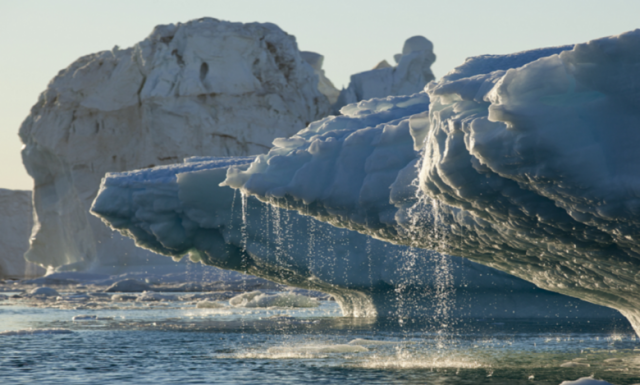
{"points": [[39, 38]]}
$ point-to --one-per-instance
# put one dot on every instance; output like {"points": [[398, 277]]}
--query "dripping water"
{"points": [[243, 230], [443, 280], [278, 237], [233, 202], [311, 230]]}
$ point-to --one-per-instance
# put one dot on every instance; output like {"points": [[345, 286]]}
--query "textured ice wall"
{"points": [[410, 75], [325, 86], [206, 87], [531, 170], [180, 209], [16, 221]]}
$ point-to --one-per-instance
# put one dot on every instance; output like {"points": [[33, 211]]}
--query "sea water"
{"points": [[88, 337]]}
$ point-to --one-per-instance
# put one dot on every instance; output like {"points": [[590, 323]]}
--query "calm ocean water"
{"points": [[173, 342]]}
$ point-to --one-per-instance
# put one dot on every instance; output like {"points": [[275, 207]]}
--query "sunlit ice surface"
{"points": [[88, 336]]}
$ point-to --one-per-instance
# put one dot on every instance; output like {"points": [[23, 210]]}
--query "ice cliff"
{"points": [[180, 209], [325, 86], [528, 164], [206, 87], [15, 229], [410, 75]]}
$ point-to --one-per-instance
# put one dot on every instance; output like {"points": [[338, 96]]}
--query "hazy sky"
{"points": [[39, 38]]}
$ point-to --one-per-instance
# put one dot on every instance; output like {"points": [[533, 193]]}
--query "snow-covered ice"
{"points": [[527, 165], [205, 87], [180, 209]]}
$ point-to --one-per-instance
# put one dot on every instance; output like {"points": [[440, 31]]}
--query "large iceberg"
{"points": [[205, 87], [527, 165], [15, 228], [410, 75], [182, 209]]}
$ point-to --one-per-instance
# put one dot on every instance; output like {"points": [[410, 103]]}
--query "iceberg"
{"points": [[410, 75], [181, 209], [526, 164], [16, 222], [201, 88]]}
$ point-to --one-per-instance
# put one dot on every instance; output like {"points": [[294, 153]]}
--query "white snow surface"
{"points": [[410, 75], [205, 87], [180, 209], [16, 221], [529, 169]]}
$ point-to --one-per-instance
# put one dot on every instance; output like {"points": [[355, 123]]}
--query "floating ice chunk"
{"points": [[73, 298], [128, 286], [282, 300], [242, 299], [574, 364], [365, 342], [147, 296], [613, 361], [84, 317], [585, 381], [206, 304], [123, 298], [317, 349], [30, 332], [44, 291], [259, 299]]}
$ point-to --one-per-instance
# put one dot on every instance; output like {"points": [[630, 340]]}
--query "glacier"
{"points": [[205, 87], [527, 165]]}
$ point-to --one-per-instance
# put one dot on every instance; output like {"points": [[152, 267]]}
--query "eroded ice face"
{"points": [[531, 170]]}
